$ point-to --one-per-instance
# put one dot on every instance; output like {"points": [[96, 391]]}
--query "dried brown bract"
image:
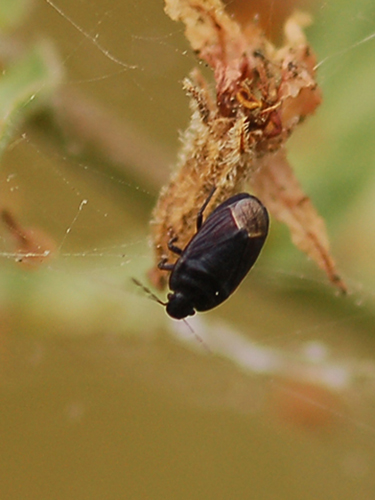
{"points": [[33, 246], [236, 134]]}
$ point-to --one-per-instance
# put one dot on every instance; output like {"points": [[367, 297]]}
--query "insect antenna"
{"points": [[198, 337], [152, 296], [148, 292]]}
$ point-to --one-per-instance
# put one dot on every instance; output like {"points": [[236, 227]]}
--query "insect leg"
{"points": [[164, 266], [203, 208], [173, 248]]}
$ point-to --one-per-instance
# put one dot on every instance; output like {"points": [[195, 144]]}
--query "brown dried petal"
{"points": [[275, 183], [33, 246], [209, 29]]}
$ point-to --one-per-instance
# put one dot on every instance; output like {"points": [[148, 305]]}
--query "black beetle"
{"points": [[218, 256]]}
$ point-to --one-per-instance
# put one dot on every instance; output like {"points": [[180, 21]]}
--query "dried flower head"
{"points": [[237, 133]]}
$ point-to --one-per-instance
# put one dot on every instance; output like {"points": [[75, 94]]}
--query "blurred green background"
{"points": [[101, 397]]}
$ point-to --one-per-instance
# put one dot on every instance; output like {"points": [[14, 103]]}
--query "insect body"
{"points": [[218, 257]]}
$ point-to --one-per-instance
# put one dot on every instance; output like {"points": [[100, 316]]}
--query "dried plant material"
{"points": [[33, 246], [262, 93], [280, 191], [269, 14]]}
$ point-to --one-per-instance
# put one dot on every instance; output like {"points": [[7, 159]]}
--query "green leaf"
{"points": [[25, 86]]}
